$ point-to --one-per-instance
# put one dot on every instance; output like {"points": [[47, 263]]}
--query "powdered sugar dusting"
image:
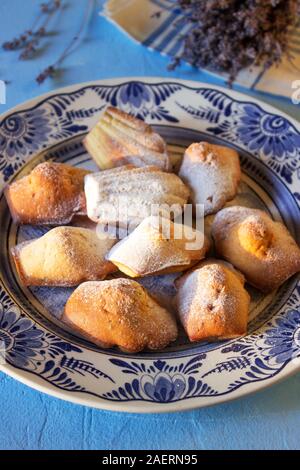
{"points": [[51, 194], [65, 256]]}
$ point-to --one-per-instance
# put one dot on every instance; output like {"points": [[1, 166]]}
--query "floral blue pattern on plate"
{"points": [[35, 348]]}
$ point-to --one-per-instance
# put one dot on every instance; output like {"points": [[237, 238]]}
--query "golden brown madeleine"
{"points": [[64, 256], [213, 173], [126, 195], [262, 249], [51, 194], [212, 302], [158, 246], [119, 138], [120, 313]]}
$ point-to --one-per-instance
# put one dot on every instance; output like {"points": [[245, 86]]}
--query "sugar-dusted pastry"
{"points": [[119, 139], [120, 313], [158, 246], [213, 174], [212, 302], [51, 194], [262, 249], [127, 195], [64, 256]]}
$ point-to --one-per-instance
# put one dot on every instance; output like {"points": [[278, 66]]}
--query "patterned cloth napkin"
{"points": [[158, 25]]}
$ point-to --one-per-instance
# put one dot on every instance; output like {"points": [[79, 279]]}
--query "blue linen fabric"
{"points": [[31, 420]]}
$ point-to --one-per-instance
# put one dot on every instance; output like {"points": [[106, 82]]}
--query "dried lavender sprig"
{"points": [[52, 69], [32, 45], [174, 63]]}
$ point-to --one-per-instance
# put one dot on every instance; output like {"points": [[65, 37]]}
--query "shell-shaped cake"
{"points": [[119, 312], [261, 248], [213, 174], [119, 139], [64, 256], [126, 196], [212, 302], [51, 194], [158, 246]]}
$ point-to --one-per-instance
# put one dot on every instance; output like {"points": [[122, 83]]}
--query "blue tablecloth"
{"points": [[31, 420]]}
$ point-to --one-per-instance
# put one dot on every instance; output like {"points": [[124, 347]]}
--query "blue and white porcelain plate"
{"points": [[38, 350]]}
